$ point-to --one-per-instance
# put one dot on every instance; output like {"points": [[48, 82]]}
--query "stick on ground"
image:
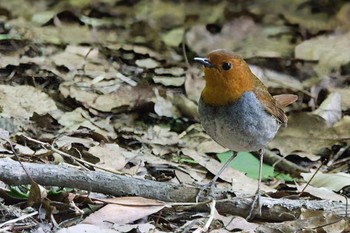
{"points": [[119, 185]]}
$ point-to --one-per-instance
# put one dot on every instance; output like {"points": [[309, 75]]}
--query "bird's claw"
{"points": [[209, 188]]}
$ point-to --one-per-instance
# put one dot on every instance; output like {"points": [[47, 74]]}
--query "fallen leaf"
{"points": [[330, 109], [210, 146], [169, 80], [307, 133], [163, 106], [23, 101], [248, 164], [331, 51], [175, 71], [333, 181], [80, 118], [232, 223], [276, 79], [322, 192], [122, 214], [243, 36], [23, 150], [147, 63], [110, 155], [160, 136], [186, 106], [124, 98], [194, 84], [308, 221], [67, 141], [344, 96], [173, 37], [84, 228], [134, 201]]}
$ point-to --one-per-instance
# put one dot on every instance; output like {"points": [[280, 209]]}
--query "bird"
{"points": [[237, 111]]}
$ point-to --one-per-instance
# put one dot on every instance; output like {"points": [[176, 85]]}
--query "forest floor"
{"points": [[99, 128]]}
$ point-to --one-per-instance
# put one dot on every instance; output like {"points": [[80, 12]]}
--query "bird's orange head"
{"points": [[227, 77]]}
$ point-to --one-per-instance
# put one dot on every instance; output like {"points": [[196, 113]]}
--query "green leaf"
{"points": [[247, 163], [18, 192], [188, 161], [59, 190]]}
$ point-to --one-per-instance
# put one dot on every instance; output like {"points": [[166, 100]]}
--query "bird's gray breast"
{"points": [[240, 126]]}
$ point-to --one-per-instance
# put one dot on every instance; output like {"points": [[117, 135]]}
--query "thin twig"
{"points": [[19, 160], [12, 221], [308, 183], [53, 148], [337, 155], [184, 49], [210, 219], [211, 216]]}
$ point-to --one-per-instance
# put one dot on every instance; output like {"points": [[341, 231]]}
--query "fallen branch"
{"points": [[281, 163], [118, 185]]}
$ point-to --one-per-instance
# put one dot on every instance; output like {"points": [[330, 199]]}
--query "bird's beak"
{"points": [[203, 61]]}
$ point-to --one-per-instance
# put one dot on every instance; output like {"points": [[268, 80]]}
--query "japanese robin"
{"points": [[237, 110]]}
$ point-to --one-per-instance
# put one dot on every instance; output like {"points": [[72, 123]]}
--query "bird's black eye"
{"points": [[226, 65]]}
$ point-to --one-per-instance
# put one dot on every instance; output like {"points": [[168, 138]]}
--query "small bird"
{"points": [[237, 111]]}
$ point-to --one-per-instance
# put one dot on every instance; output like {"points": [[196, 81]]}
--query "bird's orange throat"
{"points": [[221, 90]]}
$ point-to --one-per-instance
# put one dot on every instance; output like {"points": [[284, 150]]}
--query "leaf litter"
{"points": [[109, 86]]}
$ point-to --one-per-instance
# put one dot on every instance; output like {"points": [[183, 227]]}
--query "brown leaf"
{"points": [[23, 101], [308, 133], [130, 210], [110, 155]]}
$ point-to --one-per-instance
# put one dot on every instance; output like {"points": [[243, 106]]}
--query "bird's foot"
{"points": [[255, 207], [208, 189]]}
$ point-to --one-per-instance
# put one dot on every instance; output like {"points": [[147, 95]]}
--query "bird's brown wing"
{"points": [[271, 106], [274, 105]]}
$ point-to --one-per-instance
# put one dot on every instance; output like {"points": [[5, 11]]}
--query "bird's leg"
{"points": [[211, 184], [256, 201]]}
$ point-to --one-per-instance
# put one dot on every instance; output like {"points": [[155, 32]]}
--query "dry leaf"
{"points": [[23, 101], [331, 51], [322, 192], [163, 106], [330, 109], [125, 213], [110, 155], [169, 80], [147, 63], [243, 36], [332, 181], [307, 133], [65, 142], [160, 136]]}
